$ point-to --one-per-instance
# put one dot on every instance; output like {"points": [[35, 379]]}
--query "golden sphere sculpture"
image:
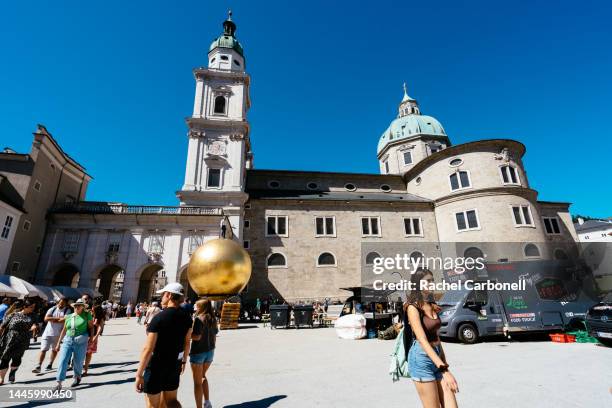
{"points": [[218, 269]]}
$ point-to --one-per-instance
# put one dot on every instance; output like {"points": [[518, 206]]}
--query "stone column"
{"points": [[136, 260]]}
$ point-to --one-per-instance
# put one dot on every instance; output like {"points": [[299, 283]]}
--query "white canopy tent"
{"points": [[24, 288], [6, 290]]}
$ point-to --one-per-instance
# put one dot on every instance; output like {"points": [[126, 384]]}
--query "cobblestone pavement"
{"points": [[257, 367]]}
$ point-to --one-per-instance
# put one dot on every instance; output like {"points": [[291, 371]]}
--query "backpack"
{"points": [[409, 337], [399, 362]]}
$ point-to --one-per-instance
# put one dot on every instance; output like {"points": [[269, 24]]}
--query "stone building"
{"points": [[37, 181], [306, 231]]}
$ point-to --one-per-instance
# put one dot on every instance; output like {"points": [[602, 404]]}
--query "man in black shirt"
{"points": [[168, 335]]}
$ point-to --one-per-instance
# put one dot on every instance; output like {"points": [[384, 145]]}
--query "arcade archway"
{"points": [[66, 275], [151, 277], [110, 282], [191, 294]]}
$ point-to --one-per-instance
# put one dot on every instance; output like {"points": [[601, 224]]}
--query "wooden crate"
{"points": [[229, 316]]}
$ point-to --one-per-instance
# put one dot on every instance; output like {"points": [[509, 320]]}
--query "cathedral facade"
{"points": [[305, 230]]}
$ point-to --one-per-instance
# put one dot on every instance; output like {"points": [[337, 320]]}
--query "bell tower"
{"points": [[219, 149]]}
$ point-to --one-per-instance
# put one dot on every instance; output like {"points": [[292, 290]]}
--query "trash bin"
{"points": [[279, 315], [302, 315]]}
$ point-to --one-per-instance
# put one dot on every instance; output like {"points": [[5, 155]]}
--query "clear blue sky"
{"points": [[112, 81]]}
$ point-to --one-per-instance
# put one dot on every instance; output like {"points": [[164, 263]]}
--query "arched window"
{"points": [[560, 255], [532, 251], [220, 104], [277, 260], [473, 252], [371, 257], [326, 259]]}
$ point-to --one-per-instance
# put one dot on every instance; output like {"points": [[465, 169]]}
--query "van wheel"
{"points": [[605, 342], [467, 333]]}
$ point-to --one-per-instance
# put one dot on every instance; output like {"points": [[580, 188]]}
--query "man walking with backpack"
{"points": [[165, 351], [55, 322]]}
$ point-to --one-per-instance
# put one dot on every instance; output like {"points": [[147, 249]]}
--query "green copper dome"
{"points": [[409, 126], [228, 38]]}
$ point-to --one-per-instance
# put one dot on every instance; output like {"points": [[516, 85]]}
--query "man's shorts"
{"points": [[48, 343], [162, 377]]}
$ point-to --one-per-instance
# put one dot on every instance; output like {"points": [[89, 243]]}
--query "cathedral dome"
{"points": [[228, 39], [406, 127]]}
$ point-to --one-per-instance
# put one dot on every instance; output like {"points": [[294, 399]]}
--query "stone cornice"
{"points": [[203, 73], [526, 193], [233, 125], [470, 147]]}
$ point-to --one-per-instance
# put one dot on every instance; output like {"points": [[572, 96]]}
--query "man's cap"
{"points": [[173, 287]]}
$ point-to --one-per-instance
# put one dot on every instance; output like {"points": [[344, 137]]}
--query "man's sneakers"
{"points": [[207, 404], [36, 370], [49, 368], [76, 382]]}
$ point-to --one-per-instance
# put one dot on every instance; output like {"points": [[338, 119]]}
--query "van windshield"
{"points": [[452, 298]]}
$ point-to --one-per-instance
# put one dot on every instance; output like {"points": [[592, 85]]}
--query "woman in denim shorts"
{"points": [[202, 350], [426, 360]]}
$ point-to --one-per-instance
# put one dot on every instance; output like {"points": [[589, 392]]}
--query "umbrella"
{"points": [[67, 291], [52, 294], [91, 292], [6, 290], [24, 288]]}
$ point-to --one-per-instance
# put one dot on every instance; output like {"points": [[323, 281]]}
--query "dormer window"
{"points": [[220, 104], [212, 60], [224, 58], [237, 62]]}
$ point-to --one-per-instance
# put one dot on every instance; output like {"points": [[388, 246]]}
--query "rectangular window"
{"points": [[26, 225], [522, 215], [6, 229], [276, 225], [156, 244], [412, 226], [551, 225], [246, 244], [370, 226], [214, 178], [459, 180], [114, 242], [325, 226], [195, 241], [387, 167], [15, 267], [71, 241], [37, 185], [467, 220], [509, 175], [247, 224], [407, 157]]}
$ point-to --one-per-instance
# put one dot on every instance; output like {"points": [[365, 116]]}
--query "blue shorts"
{"points": [[201, 358], [420, 366]]}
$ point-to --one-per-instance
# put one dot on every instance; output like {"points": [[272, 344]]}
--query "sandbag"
{"points": [[351, 327]]}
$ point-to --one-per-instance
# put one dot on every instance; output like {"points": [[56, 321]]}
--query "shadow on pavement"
{"points": [[121, 364], [262, 403]]}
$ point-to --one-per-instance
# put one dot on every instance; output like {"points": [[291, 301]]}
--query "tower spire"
{"points": [[229, 27], [408, 105]]}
